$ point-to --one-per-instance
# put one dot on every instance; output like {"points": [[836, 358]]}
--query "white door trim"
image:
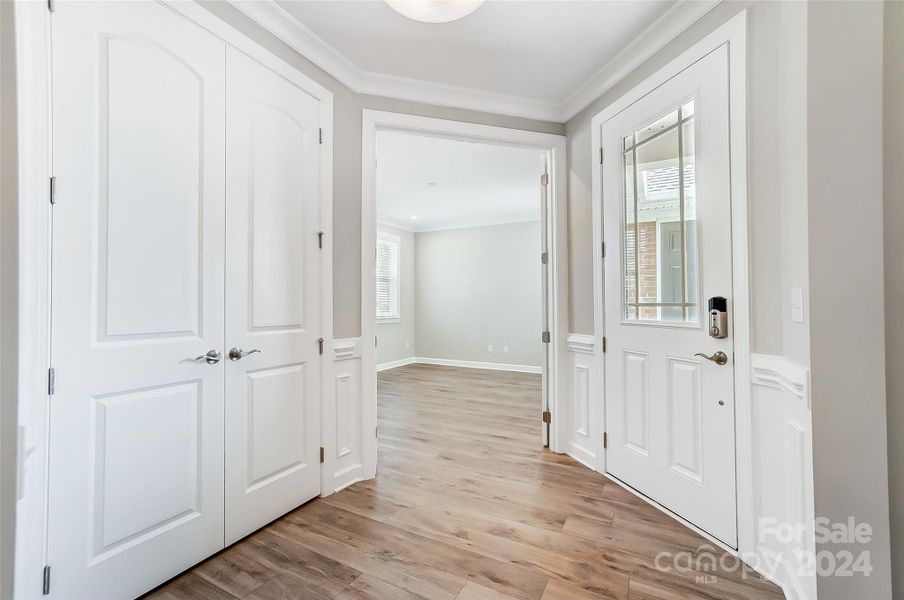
{"points": [[32, 27], [554, 145], [734, 34]]}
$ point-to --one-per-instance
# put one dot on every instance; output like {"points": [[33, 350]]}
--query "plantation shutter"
{"points": [[388, 279]]}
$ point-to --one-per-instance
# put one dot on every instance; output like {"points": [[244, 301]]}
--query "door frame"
{"points": [[554, 147], [733, 33], [34, 151]]}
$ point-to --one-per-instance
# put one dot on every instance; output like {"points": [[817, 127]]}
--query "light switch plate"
{"points": [[797, 305], [490, 348]]}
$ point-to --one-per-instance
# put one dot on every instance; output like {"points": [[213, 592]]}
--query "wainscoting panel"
{"points": [[342, 436], [782, 457], [582, 421]]}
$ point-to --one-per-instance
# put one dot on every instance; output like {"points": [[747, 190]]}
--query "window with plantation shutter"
{"points": [[388, 275]]}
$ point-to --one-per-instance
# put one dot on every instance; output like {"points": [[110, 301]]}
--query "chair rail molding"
{"points": [[581, 343]]}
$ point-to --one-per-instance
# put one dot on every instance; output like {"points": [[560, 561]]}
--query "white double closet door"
{"points": [[186, 223]]}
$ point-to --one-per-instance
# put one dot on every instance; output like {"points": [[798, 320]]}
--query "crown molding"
{"points": [[681, 16], [272, 17]]}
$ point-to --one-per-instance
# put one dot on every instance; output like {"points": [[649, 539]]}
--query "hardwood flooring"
{"points": [[466, 506]]}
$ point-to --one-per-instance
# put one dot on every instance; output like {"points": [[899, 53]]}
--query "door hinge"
{"points": [[322, 454], [547, 416], [603, 244], [545, 337], [544, 258], [605, 440], [544, 179], [51, 381], [604, 345], [53, 190], [601, 155], [51, 5], [45, 589], [375, 341], [320, 235], [320, 345], [321, 135]]}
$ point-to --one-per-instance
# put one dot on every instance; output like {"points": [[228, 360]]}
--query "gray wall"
{"points": [[480, 286], [894, 277], [847, 321], [347, 107], [8, 298], [396, 340]]}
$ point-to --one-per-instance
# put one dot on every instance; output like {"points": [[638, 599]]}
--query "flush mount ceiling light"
{"points": [[434, 11]]}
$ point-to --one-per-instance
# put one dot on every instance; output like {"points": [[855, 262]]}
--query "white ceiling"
{"points": [[476, 184], [534, 58]]}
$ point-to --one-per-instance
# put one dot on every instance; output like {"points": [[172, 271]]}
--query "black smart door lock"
{"points": [[718, 317]]}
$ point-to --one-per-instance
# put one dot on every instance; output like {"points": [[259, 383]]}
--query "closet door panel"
{"points": [[136, 422], [272, 297]]}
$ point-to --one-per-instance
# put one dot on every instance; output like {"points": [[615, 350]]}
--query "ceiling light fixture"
{"points": [[434, 11]]}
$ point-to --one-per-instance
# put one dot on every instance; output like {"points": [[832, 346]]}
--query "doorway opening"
{"points": [[461, 279]]}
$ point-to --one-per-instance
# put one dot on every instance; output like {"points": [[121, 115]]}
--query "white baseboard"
{"points": [[393, 364], [466, 364]]}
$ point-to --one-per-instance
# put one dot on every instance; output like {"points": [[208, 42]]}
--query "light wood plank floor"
{"points": [[466, 506]]}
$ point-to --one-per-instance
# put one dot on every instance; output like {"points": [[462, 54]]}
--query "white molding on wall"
{"points": [[473, 364], [781, 434], [581, 343], [346, 348], [269, 15], [782, 374], [344, 440], [395, 364], [582, 426]]}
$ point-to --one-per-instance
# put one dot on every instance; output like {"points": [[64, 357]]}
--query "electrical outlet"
{"points": [[505, 349], [490, 348]]}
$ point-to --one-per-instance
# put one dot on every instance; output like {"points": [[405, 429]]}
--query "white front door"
{"points": [[667, 224], [272, 296], [136, 422]]}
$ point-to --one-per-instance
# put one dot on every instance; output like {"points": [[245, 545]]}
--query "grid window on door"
{"points": [[660, 226], [388, 276]]}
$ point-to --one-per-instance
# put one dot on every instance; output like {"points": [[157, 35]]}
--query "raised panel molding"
{"points": [[582, 421], [343, 421], [782, 470]]}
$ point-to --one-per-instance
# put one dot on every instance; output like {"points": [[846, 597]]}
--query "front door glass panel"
{"points": [[660, 226]]}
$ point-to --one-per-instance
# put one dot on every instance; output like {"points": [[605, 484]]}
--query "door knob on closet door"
{"points": [[236, 353], [212, 357]]}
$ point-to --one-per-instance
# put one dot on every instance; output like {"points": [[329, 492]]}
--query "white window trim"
{"points": [[397, 240]]}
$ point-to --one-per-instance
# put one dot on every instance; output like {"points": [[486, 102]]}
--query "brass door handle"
{"points": [[720, 358]]}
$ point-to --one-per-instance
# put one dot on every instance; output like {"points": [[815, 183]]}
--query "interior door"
{"points": [[666, 200], [272, 296], [136, 420]]}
